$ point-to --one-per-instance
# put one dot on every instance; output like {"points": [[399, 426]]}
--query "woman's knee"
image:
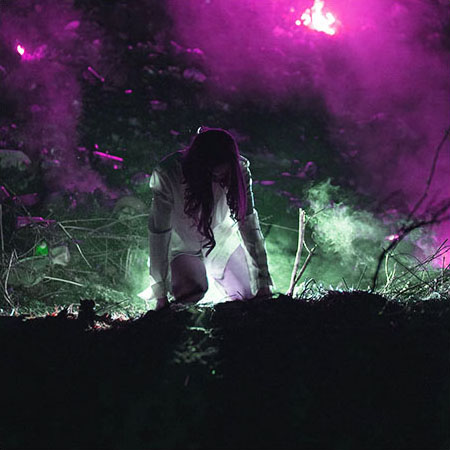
{"points": [[189, 292], [189, 280]]}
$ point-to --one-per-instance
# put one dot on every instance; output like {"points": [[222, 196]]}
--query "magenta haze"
{"points": [[51, 40], [384, 75]]}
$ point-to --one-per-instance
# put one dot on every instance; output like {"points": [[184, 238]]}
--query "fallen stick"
{"points": [[64, 281]]}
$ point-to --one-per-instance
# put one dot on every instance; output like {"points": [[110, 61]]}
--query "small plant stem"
{"points": [[345, 284], [301, 237], [413, 273], [361, 277], [76, 244]]}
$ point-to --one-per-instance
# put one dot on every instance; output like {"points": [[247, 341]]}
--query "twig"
{"points": [[402, 233], [64, 281], [301, 238], [97, 219], [361, 277], [442, 249], [310, 281], [294, 230], [76, 243], [281, 227], [305, 264], [410, 288], [418, 286], [406, 230], [345, 284], [412, 272], [431, 175]]}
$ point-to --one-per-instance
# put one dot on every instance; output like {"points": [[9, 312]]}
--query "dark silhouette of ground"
{"points": [[344, 372]]}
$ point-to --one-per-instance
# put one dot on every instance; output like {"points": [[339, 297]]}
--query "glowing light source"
{"points": [[20, 50], [315, 19], [27, 55]]}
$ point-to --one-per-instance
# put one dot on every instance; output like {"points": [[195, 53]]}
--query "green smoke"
{"points": [[354, 236]]}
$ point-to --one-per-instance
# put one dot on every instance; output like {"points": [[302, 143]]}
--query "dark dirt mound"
{"points": [[347, 371]]}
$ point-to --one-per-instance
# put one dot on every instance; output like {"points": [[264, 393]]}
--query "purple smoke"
{"points": [[384, 77], [54, 46]]}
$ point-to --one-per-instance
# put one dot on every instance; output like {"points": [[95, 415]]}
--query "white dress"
{"points": [[173, 233]]}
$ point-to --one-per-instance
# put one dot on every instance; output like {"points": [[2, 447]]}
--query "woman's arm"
{"points": [[253, 238], [159, 232]]}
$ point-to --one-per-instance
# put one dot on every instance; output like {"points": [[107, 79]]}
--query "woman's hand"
{"points": [[161, 303]]}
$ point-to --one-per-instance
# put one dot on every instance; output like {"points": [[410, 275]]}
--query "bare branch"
{"points": [[305, 264], [430, 177], [435, 219], [301, 238]]}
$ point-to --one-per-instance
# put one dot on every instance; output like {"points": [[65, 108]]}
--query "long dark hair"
{"points": [[209, 148]]}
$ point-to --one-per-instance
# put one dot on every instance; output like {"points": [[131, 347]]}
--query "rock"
{"points": [[14, 158], [129, 206], [60, 255], [28, 272]]}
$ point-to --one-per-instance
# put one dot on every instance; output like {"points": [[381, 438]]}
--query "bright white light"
{"points": [[20, 50], [316, 19], [147, 294]]}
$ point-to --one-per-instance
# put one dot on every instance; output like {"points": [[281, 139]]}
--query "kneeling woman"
{"points": [[203, 220]]}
